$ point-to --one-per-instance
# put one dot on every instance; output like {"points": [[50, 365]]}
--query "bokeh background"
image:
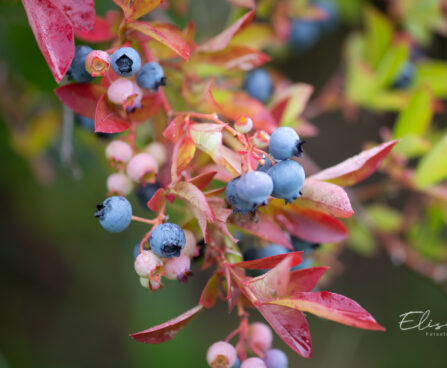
{"points": [[69, 293]]}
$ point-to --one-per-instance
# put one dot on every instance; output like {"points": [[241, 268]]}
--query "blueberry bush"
{"points": [[212, 137]]}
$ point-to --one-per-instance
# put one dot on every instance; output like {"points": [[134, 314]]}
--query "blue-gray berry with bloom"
{"points": [[114, 214], [303, 34], [77, 69], [288, 179], [237, 364], [285, 143], [145, 192], [330, 22], [405, 77], [126, 61], [238, 204], [151, 76], [275, 358], [167, 240], [255, 187], [271, 250], [258, 84]]}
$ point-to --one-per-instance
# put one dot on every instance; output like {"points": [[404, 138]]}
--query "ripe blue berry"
{"points": [[275, 358], [285, 143], [151, 76], [254, 187], [303, 245], [264, 168], [237, 364], [136, 249], [303, 34], [330, 22], [271, 250], [77, 69], [167, 240], [126, 61], [85, 123], [145, 192], [258, 84], [405, 77], [114, 214], [238, 204], [288, 179]]}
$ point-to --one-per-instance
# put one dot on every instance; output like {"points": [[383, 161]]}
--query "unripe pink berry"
{"points": [[118, 183], [178, 268], [259, 336], [148, 264], [253, 363], [221, 355], [191, 249], [119, 151], [142, 168], [126, 93], [158, 151], [144, 281], [97, 63], [243, 124], [261, 139]]}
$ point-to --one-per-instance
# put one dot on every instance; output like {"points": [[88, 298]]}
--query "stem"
{"points": [[144, 220]]}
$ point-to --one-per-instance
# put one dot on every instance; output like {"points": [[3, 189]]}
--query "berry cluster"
{"points": [[257, 339]]}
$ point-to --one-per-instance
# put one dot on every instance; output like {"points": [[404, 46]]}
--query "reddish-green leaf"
{"points": [[210, 292], [54, 34], [158, 200], [107, 119], [142, 7], [263, 228], [82, 98], [357, 168], [80, 13], [244, 3], [291, 102], [326, 197], [331, 306], [270, 262], [221, 41], [310, 225], [305, 279], [168, 330], [175, 129], [101, 32], [182, 155], [163, 35], [291, 326], [202, 180], [150, 105]]}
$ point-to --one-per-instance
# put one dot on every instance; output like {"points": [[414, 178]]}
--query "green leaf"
{"points": [[378, 36], [360, 239], [416, 117], [391, 63], [433, 74], [385, 218], [413, 146], [433, 167]]}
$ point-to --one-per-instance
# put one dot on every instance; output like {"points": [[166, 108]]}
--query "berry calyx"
{"points": [[126, 93], [221, 355], [97, 63], [126, 61]]}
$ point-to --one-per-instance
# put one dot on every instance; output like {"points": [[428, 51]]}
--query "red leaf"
{"points": [[82, 98], [244, 3], [54, 34], [157, 202], [202, 180], [291, 326], [80, 12], [138, 8], [168, 330], [264, 228], [210, 292], [305, 279], [326, 197], [150, 105], [101, 32], [334, 307], [164, 35], [356, 168], [198, 203], [221, 214], [270, 262], [175, 129], [107, 120], [310, 225], [184, 151], [221, 41]]}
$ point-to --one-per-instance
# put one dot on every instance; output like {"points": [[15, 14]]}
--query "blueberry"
{"points": [[303, 245], [405, 77], [136, 249], [238, 204], [330, 22], [288, 179], [285, 143], [151, 76], [77, 69], [251, 254], [85, 123], [303, 34], [167, 240], [254, 187], [264, 168], [145, 192], [275, 358], [305, 263], [126, 61], [258, 84], [237, 364], [114, 214], [272, 250]]}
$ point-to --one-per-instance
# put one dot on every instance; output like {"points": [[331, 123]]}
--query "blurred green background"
{"points": [[70, 295]]}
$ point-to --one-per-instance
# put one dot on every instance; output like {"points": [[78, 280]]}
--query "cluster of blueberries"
{"points": [[259, 338], [283, 179]]}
